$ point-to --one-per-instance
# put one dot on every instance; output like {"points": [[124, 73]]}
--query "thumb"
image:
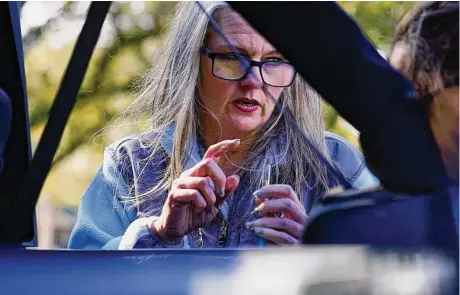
{"points": [[231, 184]]}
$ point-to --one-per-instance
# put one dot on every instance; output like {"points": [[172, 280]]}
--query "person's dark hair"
{"points": [[429, 33]]}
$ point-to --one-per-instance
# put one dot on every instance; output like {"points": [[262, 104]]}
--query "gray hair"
{"points": [[168, 94]]}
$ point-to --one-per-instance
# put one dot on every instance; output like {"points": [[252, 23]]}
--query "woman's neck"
{"points": [[229, 159]]}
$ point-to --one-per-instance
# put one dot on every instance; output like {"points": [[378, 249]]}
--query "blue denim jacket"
{"points": [[106, 222]]}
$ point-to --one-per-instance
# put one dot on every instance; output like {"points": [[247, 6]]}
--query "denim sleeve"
{"points": [[102, 218], [350, 161], [140, 235], [105, 222], [365, 178]]}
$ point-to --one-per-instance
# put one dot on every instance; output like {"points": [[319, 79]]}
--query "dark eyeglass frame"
{"points": [[212, 55]]}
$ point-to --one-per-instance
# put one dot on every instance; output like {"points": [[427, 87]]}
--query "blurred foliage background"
{"points": [[131, 33]]}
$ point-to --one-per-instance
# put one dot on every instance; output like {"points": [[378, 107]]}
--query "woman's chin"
{"points": [[245, 126]]}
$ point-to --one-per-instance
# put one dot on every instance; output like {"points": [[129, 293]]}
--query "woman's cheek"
{"points": [[215, 95], [272, 99]]}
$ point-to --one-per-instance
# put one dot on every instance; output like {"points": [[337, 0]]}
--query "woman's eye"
{"points": [[273, 58]]}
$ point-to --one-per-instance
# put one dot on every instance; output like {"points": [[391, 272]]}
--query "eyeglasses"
{"points": [[234, 67]]}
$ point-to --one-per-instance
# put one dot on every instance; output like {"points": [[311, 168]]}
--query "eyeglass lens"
{"points": [[274, 73]]}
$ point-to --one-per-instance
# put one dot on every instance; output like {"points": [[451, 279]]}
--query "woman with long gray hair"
{"points": [[219, 165]]}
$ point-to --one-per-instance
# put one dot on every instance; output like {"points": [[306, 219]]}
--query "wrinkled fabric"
{"points": [[105, 220]]}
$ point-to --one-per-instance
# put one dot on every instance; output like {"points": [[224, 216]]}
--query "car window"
{"points": [[131, 34]]}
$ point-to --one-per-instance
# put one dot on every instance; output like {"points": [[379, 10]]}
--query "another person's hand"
{"points": [[279, 198], [196, 196]]}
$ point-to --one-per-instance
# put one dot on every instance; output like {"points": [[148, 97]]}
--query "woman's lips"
{"points": [[248, 108]]}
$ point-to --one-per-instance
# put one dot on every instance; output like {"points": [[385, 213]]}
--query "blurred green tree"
{"points": [[378, 19], [131, 33]]}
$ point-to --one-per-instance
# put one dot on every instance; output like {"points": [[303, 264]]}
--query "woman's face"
{"points": [[242, 107]]}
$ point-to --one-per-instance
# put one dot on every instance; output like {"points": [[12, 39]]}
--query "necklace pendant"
{"points": [[223, 234]]}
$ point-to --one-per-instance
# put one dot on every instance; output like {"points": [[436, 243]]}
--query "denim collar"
{"points": [[197, 153]]}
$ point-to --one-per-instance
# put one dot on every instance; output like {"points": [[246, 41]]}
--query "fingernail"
{"points": [[254, 211], [257, 193], [237, 176], [258, 231], [211, 184], [248, 224], [238, 140], [222, 192]]}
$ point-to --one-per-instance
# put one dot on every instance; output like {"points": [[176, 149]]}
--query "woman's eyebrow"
{"points": [[225, 47], [273, 52], [244, 51]]}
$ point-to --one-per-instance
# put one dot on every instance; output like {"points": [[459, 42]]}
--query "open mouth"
{"points": [[246, 105]]}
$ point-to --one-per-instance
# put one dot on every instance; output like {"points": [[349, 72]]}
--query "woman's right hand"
{"points": [[196, 196]]}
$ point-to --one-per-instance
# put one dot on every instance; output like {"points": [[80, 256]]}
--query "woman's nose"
{"points": [[252, 78]]}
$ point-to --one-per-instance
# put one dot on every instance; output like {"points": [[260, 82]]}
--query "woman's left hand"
{"points": [[278, 198]]}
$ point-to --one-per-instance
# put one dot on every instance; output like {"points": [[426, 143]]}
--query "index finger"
{"points": [[215, 151], [277, 191]]}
